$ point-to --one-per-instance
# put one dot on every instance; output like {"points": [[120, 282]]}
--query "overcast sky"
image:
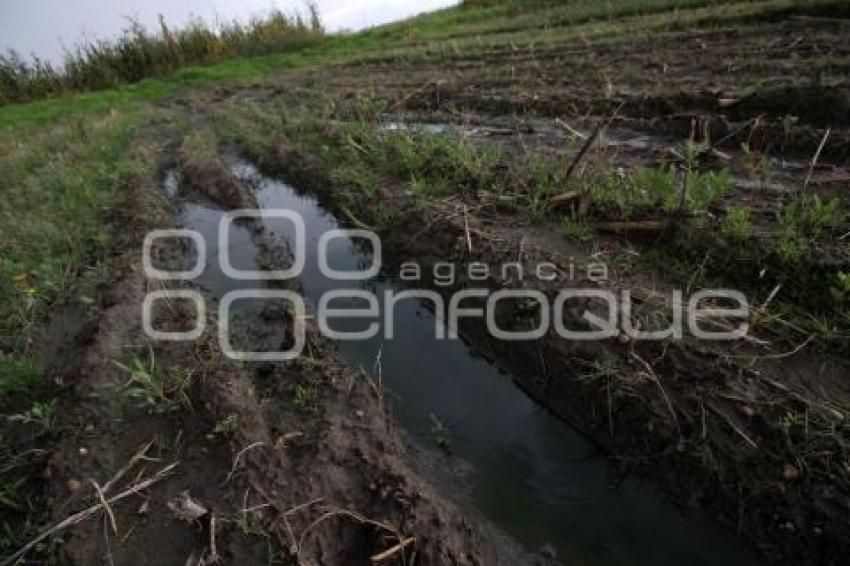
{"points": [[43, 26]]}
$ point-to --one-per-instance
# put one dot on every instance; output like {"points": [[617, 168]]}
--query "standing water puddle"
{"points": [[533, 476]]}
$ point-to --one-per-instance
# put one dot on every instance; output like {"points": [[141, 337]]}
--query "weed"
{"points": [[429, 188], [358, 176], [226, 426], [704, 188], [368, 107], [41, 415], [18, 374], [18, 516], [789, 249], [440, 432], [575, 229], [150, 387], [736, 224], [840, 291], [9, 493], [788, 121], [812, 215], [660, 185], [822, 325], [648, 189], [305, 398]]}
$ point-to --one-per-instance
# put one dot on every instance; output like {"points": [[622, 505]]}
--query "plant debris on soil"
{"points": [[692, 145]]}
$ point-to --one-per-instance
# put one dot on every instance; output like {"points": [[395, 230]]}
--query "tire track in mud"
{"points": [[327, 483]]}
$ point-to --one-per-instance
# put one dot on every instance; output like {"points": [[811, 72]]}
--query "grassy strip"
{"points": [[440, 39], [422, 37], [63, 187], [138, 54], [60, 186]]}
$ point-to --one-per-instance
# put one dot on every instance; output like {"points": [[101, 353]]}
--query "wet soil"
{"points": [[260, 475], [329, 480], [699, 421]]}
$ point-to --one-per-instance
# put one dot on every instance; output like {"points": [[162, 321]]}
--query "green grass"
{"points": [[18, 374], [737, 224], [140, 53], [150, 387], [59, 186]]}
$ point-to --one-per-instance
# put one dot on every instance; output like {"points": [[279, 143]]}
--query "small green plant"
{"points": [[788, 121], [812, 215], [706, 188], [9, 492], [305, 398], [149, 386], [18, 374], [41, 415], [650, 188], [367, 107], [429, 188], [226, 426], [789, 249], [576, 229], [841, 290], [820, 324], [440, 432], [659, 185], [357, 175], [736, 224]]}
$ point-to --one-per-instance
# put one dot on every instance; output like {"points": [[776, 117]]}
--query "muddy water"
{"points": [[531, 474]]}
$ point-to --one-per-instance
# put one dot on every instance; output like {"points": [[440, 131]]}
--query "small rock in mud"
{"points": [[187, 509], [790, 473]]}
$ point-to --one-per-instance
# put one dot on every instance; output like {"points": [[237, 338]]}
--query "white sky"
{"points": [[43, 26]]}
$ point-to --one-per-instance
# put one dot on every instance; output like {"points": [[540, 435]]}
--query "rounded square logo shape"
{"points": [[300, 244], [152, 272], [298, 325], [167, 295], [330, 273]]}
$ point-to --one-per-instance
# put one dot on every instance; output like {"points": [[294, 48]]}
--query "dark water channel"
{"points": [[532, 475]]}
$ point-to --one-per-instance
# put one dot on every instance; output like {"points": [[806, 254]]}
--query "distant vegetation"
{"points": [[140, 53]]}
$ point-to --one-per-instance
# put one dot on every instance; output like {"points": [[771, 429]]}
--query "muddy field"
{"points": [[169, 453]]}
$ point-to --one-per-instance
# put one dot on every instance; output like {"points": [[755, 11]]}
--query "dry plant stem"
{"points": [[733, 426], [730, 135], [139, 455], [352, 515], [386, 555], [584, 149], [284, 516], [590, 141], [105, 506], [570, 129], [814, 161], [214, 558], [235, 465], [86, 513], [654, 378], [466, 228], [411, 94]]}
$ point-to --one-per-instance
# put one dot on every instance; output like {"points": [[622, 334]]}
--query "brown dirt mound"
{"points": [[817, 105]]}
